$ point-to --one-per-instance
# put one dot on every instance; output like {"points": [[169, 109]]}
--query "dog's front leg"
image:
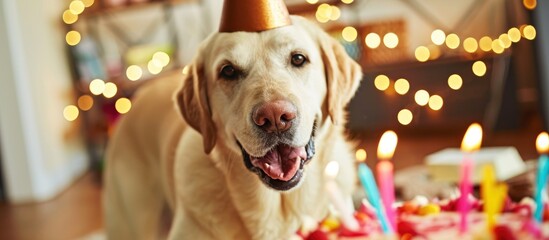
{"points": [[184, 227]]}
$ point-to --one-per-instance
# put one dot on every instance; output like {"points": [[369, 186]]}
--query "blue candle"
{"points": [[541, 179], [542, 145], [369, 183]]}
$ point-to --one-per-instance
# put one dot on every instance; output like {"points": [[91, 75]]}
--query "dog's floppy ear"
{"points": [[193, 104], [343, 76]]}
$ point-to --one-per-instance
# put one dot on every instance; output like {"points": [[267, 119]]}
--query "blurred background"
{"points": [[70, 68]]}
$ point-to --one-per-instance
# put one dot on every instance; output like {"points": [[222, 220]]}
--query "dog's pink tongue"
{"points": [[281, 163]]}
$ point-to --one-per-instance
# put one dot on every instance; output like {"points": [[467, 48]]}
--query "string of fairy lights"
{"points": [[498, 45], [324, 13], [99, 87]]}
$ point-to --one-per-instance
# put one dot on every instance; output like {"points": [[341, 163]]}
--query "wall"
{"points": [[117, 32], [467, 18], [486, 17], [39, 158], [541, 18], [42, 155]]}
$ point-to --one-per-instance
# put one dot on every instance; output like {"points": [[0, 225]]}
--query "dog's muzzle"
{"points": [[282, 167]]}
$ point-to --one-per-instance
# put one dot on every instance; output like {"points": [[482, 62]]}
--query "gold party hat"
{"points": [[253, 15]]}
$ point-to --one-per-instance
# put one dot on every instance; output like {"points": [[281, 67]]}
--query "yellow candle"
{"points": [[493, 196]]}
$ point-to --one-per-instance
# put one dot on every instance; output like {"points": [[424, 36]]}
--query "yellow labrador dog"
{"points": [[239, 151]]}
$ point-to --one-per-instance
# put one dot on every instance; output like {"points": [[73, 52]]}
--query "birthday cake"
{"points": [[462, 216], [421, 218]]}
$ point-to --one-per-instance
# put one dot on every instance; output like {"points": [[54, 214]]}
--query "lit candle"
{"points": [[471, 143], [542, 145], [369, 184], [336, 197], [385, 151]]}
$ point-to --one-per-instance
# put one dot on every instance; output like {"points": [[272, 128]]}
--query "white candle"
{"points": [[337, 199]]}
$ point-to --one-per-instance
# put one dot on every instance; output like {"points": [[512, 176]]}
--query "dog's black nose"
{"points": [[274, 116]]}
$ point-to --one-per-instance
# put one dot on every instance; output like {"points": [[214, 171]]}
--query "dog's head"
{"points": [[263, 94]]}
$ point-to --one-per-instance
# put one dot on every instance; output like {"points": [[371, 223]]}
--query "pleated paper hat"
{"points": [[253, 15]]}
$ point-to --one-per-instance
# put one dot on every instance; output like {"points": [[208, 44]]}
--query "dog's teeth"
{"points": [[281, 175], [266, 165]]}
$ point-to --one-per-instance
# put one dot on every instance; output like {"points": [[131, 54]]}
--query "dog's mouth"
{"points": [[282, 167]]}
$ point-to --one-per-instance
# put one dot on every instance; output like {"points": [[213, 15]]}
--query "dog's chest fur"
{"points": [[227, 199]]}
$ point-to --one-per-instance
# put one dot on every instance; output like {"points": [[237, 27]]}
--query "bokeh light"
{"points": [[530, 4], [323, 13], [312, 1], [422, 53], [70, 113], [529, 32], [123, 105], [372, 40], [390, 40], [134, 72], [479, 68], [73, 38], [88, 3], [497, 46], [485, 44], [436, 102], [455, 81], [347, 1], [77, 7], [438, 37], [405, 116], [505, 41], [69, 17], [162, 57], [154, 66], [85, 102], [336, 13], [361, 155], [421, 97], [382, 82], [402, 86], [97, 86], [470, 45], [514, 34], [349, 33], [452, 41], [110, 90]]}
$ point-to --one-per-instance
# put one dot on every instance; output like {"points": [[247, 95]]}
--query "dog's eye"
{"points": [[228, 72], [298, 60]]}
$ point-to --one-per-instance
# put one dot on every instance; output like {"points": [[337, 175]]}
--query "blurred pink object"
{"points": [[465, 187]]}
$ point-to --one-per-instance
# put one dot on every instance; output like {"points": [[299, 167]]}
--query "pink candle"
{"points": [[384, 168], [465, 188], [471, 143], [387, 190]]}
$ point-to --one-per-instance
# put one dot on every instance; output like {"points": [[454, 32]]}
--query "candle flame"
{"points": [[331, 170], [387, 145], [542, 143], [361, 155], [472, 139]]}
